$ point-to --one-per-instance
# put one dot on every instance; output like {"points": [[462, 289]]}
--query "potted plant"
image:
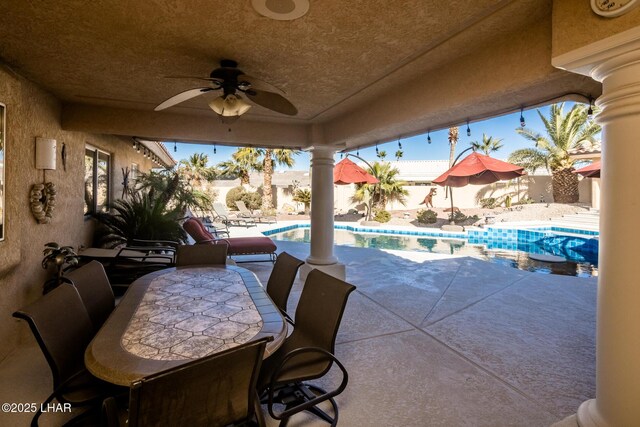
{"points": [[62, 257]]}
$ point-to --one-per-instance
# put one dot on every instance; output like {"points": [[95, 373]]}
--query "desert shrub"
{"points": [[427, 216], [233, 196], [459, 217], [526, 201], [253, 201], [381, 215], [488, 203]]}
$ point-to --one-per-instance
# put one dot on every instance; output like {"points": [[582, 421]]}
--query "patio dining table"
{"points": [[175, 315]]}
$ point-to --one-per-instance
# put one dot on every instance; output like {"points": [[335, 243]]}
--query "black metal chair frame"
{"points": [[290, 393]]}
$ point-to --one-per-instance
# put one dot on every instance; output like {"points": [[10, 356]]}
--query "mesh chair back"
{"points": [[198, 232], [201, 255], [61, 325], [318, 318], [94, 288], [214, 391], [281, 279]]}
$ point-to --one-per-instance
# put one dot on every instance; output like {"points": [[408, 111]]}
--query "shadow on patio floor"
{"points": [[446, 342]]}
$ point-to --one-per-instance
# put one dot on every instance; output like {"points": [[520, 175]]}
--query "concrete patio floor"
{"points": [[433, 342]]}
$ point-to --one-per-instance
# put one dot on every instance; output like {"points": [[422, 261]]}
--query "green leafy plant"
{"points": [[426, 216], [61, 257], [252, 200], [141, 217], [381, 215]]}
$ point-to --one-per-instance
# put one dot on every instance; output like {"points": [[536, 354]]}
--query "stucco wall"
{"points": [[575, 25], [32, 112]]}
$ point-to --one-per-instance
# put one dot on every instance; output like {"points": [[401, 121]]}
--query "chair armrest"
{"points": [[312, 402], [144, 242]]}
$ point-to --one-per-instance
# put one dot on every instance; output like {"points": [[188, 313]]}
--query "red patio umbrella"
{"points": [[347, 172], [478, 169], [590, 171]]}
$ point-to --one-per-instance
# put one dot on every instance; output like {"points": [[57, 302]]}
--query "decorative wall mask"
{"points": [[43, 200]]}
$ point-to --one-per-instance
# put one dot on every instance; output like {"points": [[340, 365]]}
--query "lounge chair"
{"points": [[228, 219], [244, 212], [237, 245]]}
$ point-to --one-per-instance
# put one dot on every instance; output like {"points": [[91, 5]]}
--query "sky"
{"points": [[415, 148]]}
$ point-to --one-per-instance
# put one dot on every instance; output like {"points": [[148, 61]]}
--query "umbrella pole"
{"points": [[451, 197]]}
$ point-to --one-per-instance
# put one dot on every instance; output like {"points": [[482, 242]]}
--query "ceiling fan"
{"points": [[233, 81]]}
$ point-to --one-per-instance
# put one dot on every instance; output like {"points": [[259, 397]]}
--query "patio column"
{"points": [[321, 256], [615, 62]]}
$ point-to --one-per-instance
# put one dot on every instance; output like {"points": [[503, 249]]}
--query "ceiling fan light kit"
{"points": [[229, 105]]}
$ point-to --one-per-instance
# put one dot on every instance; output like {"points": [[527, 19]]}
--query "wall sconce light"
{"points": [[46, 153]]}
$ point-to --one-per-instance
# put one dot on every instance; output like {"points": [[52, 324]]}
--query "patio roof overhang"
{"points": [[358, 72]]}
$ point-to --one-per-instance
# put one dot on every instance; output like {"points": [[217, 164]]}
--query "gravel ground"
{"points": [[532, 212]]}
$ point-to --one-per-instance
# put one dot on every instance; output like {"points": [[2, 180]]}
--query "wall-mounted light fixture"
{"points": [[46, 153]]}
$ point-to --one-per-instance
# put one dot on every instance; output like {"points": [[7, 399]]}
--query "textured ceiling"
{"points": [[339, 57]]}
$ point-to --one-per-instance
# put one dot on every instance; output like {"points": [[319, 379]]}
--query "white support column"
{"points": [[322, 256], [616, 63]]}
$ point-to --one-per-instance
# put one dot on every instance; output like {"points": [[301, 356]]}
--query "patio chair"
{"points": [[217, 228], [307, 353], [133, 262], [281, 281], [94, 288], [228, 219], [217, 390], [61, 326], [236, 245], [201, 255], [244, 212]]}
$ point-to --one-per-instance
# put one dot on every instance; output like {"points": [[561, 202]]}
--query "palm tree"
{"points": [[564, 132], [282, 157], [453, 140], [242, 162], [389, 189], [488, 145], [195, 169]]}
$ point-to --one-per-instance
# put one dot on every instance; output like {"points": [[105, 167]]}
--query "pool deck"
{"points": [[429, 340]]}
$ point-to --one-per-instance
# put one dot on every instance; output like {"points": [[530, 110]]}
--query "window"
{"points": [[97, 186]]}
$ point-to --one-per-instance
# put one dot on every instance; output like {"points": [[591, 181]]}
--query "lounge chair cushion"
{"points": [[237, 245], [250, 245]]}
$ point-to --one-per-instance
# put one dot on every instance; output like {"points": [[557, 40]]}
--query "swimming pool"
{"points": [[507, 246]]}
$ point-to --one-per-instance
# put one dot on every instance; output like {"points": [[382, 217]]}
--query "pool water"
{"points": [[510, 254]]}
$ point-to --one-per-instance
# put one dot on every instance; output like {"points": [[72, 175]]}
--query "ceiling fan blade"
{"points": [[258, 84], [272, 101], [183, 96], [206, 79]]}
